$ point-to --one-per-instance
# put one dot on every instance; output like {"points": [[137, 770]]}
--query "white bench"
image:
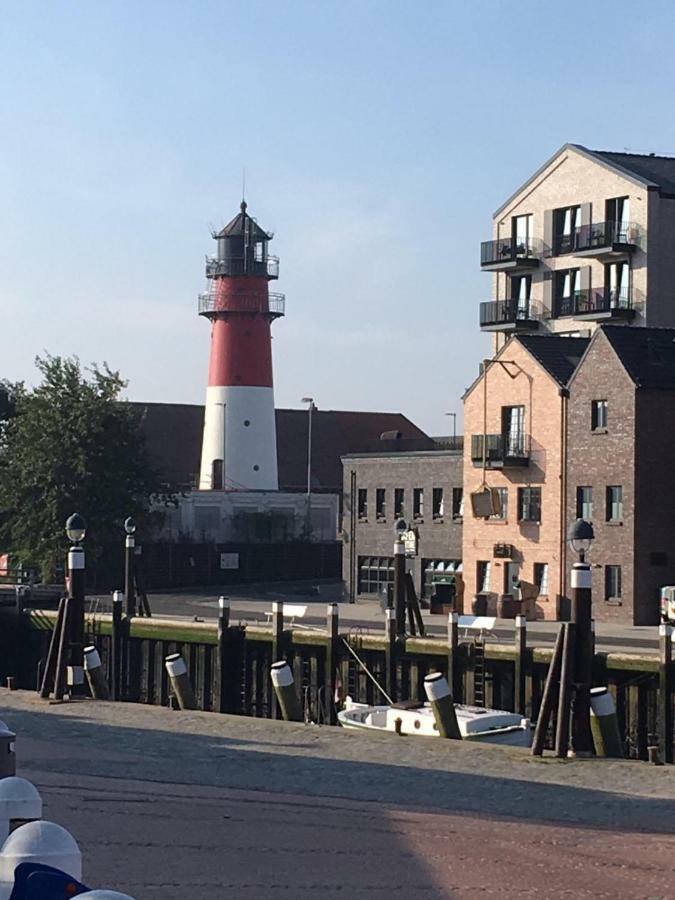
{"points": [[292, 611], [476, 623]]}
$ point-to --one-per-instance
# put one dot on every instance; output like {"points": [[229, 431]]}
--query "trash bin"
{"points": [[7, 752], [443, 598], [479, 605]]}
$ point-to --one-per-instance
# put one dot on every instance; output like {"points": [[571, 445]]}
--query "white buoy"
{"points": [[40, 842], [20, 801]]}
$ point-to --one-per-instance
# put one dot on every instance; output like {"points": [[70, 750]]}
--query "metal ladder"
{"points": [[479, 672]]}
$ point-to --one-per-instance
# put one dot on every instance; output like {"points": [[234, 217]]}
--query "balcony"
{"points": [[510, 254], [502, 451], [210, 304], [239, 265], [604, 240], [508, 316], [597, 305]]}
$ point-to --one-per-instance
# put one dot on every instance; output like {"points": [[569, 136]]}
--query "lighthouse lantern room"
{"points": [[239, 448]]}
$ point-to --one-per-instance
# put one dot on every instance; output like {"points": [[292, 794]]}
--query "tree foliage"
{"points": [[70, 445]]}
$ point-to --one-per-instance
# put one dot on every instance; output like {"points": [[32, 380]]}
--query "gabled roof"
{"points": [[649, 171], [558, 355], [647, 354], [243, 224]]}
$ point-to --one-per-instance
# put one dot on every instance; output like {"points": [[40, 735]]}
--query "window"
{"points": [[565, 223], [503, 513], [483, 576], [614, 510], [380, 504], [437, 503], [457, 502], [612, 582], [617, 285], [567, 288], [437, 570], [541, 578], [521, 231], [399, 502], [598, 415], [513, 430], [363, 503], [529, 504], [617, 214], [520, 287], [375, 573], [585, 503], [418, 503]]}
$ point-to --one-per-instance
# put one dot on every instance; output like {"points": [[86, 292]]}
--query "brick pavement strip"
{"points": [[194, 805]]}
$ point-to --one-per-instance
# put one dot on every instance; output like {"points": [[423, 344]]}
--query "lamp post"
{"points": [[310, 408], [129, 544], [400, 528], [76, 528], [454, 429], [581, 537]]}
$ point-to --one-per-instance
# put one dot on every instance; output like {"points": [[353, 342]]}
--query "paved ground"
{"points": [[194, 805]]}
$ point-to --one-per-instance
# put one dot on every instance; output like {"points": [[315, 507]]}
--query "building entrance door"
{"points": [[511, 579]]}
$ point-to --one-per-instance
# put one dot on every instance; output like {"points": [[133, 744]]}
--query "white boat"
{"points": [[496, 726]]}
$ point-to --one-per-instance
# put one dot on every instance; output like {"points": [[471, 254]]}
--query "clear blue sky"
{"points": [[378, 137]]}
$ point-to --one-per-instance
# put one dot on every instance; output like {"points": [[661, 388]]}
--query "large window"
{"points": [[617, 285], [513, 429], [457, 502], [617, 214], [541, 578], [567, 288], [521, 230], [585, 503], [375, 573], [565, 222], [612, 582], [399, 502], [483, 568], [529, 504], [520, 288], [437, 503], [598, 415], [418, 503], [363, 503], [614, 510], [503, 513], [381, 504]]}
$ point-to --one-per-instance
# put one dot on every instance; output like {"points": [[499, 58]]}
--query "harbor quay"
{"points": [[189, 804]]}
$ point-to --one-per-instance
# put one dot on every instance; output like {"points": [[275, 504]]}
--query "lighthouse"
{"points": [[239, 447]]}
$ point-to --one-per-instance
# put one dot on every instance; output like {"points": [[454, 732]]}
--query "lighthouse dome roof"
{"points": [[243, 224]]}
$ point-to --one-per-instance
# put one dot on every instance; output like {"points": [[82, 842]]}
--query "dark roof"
{"points": [[243, 223], [647, 354], [659, 170], [558, 355], [173, 433]]}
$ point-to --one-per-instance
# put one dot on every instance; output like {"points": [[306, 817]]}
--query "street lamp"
{"points": [[129, 544], [76, 529], [310, 408], [580, 537]]}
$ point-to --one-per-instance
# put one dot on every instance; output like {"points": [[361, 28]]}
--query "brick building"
{"points": [[621, 419], [514, 424], [424, 487], [586, 239]]}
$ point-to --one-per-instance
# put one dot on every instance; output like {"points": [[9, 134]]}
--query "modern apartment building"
{"points": [[422, 487], [588, 238], [514, 443]]}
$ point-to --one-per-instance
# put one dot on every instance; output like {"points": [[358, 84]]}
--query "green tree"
{"points": [[71, 445]]}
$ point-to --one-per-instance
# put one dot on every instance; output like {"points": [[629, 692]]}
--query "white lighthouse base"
{"points": [[239, 447]]}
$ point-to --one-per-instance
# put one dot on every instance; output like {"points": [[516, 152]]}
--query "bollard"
{"points": [[20, 802], [284, 688], [40, 842], [180, 682], [116, 667], [7, 751], [95, 674], [605, 724], [439, 696]]}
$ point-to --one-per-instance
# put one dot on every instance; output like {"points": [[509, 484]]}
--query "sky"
{"points": [[377, 138]]}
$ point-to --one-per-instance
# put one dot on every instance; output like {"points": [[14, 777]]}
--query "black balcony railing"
{"points": [[510, 251], [500, 450], [605, 235], [506, 312], [600, 302]]}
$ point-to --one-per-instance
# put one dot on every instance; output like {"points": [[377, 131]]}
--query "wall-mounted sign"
{"points": [[229, 560], [411, 540]]}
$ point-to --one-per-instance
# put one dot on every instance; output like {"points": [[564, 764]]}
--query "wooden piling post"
{"points": [[453, 656], [519, 665], [440, 699], [180, 681], [93, 668], [223, 628], [52, 654], [390, 652], [604, 724], [284, 688], [332, 657], [548, 696], [62, 654], [562, 733], [665, 701], [277, 647]]}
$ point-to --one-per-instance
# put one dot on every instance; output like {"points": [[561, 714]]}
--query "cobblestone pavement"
{"points": [[194, 805]]}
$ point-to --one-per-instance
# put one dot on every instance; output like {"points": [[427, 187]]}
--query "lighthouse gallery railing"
{"points": [[274, 304]]}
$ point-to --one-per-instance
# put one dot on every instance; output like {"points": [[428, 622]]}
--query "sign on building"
{"points": [[410, 539], [229, 560]]}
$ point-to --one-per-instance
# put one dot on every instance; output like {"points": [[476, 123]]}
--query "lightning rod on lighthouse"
{"points": [[239, 448]]}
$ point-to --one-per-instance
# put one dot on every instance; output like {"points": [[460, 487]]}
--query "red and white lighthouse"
{"points": [[239, 448]]}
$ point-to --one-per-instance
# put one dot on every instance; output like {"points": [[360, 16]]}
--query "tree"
{"points": [[71, 445]]}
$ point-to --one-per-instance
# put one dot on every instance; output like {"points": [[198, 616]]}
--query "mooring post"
{"points": [[453, 656], [284, 688], [277, 646], [180, 681], [48, 676], [439, 696], [332, 657], [20, 802], [95, 674], [400, 604], [117, 604], [548, 696], [390, 652], [76, 625], [223, 631], [562, 734], [605, 724], [129, 586], [519, 665], [665, 716], [582, 677]]}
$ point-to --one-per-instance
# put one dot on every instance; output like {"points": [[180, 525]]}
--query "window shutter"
{"points": [[547, 299], [585, 278], [548, 232], [585, 214]]}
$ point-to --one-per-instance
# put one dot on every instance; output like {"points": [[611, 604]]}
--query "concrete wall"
{"points": [[534, 543], [438, 538]]}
